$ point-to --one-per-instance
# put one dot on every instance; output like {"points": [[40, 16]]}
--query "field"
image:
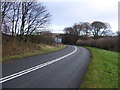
{"points": [[103, 70]]}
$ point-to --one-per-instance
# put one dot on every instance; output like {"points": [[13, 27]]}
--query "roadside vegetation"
{"points": [[24, 30], [36, 45], [103, 70], [107, 43], [96, 34], [36, 49]]}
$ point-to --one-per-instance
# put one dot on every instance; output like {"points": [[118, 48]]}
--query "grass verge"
{"points": [[103, 70], [42, 50]]}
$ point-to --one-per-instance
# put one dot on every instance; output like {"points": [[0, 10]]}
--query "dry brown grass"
{"points": [[14, 46]]}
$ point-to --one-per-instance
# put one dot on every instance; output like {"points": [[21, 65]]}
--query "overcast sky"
{"points": [[67, 12]]}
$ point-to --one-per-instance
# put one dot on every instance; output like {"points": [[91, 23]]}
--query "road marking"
{"points": [[4, 79]]}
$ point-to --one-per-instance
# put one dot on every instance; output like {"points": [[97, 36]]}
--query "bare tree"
{"points": [[99, 28], [23, 17], [5, 8], [69, 30], [77, 28], [85, 28], [13, 16], [82, 28], [34, 16], [17, 18], [118, 33]]}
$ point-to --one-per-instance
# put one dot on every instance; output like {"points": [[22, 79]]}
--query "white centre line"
{"points": [[4, 79]]}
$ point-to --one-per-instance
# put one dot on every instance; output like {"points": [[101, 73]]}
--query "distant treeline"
{"points": [[103, 42], [95, 34], [95, 29]]}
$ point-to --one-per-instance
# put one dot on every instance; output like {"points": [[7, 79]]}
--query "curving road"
{"points": [[61, 69]]}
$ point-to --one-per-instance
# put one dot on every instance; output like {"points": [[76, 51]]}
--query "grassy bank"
{"points": [[102, 71], [38, 49]]}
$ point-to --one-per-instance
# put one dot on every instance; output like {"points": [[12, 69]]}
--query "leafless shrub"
{"points": [[44, 39], [108, 43]]}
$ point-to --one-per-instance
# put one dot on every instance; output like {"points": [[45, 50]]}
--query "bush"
{"points": [[69, 39], [49, 40], [108, 43], [44, 39]]}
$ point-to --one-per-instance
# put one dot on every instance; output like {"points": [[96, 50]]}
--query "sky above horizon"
{"points": [[67, 12]]}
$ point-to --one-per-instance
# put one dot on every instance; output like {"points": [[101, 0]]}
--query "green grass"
{"points": [[43, 49], [102, 71]]}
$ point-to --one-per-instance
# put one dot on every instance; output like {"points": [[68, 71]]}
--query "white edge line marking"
{"points": [[4, 79]]}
